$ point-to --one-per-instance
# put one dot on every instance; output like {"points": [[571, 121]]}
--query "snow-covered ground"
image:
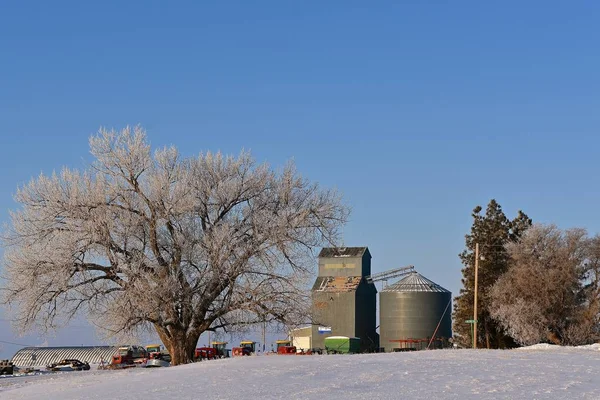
{"points": [[538, 372]]}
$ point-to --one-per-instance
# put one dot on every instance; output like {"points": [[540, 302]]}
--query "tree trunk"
{"points": [[181, 344], [487, 334], [183, 352], [553, 338]]}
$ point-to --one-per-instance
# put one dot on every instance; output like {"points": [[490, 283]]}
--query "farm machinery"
{"points": [[216, 350], [158, 356], [222, 351], [127, 357], [246, 348], [285, 347], [205, 353], [6, 367], [68, 365]]}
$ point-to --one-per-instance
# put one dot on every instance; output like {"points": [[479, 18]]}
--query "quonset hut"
{"points": [[412, 312], [42, 356], [344, 303]]}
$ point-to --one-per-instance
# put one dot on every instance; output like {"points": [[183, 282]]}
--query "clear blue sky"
{"points": [[417, 113]]}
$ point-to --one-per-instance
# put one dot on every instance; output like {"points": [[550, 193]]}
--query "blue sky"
{"points": [[415, 112]]}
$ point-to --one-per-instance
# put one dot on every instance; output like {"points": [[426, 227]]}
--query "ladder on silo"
{"points": [[392, 273]]}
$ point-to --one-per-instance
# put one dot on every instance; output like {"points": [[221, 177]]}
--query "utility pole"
{"points": [[475, 301], [264, 334]]}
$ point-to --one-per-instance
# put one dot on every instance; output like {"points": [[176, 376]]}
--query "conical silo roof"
{"points": [[415, 282]]}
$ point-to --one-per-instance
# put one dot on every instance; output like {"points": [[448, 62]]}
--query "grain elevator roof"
{"points": [[415, 282], [332, 252]]}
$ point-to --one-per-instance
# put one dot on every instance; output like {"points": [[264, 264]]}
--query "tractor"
{"points": [[246, 348], [219, 347], [285, 347]]}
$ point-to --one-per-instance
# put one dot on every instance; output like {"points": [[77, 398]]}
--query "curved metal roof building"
{"points": [[42, 356]]}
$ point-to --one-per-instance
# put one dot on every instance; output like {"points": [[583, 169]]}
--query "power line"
{"points": [[66, 326], [18, 344]]}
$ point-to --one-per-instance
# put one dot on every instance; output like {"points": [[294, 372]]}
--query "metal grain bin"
{"points": [[410, 311], [342, 344]]}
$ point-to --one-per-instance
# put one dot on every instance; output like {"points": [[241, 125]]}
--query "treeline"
{"points": [[537, 283]]}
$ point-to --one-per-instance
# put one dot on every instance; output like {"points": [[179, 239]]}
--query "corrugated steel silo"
{"points": [[410, 311]]}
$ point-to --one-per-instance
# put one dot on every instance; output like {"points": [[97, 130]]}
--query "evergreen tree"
{"points": [[492, 231]]}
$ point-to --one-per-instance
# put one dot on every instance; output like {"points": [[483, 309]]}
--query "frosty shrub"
{"points": [[550, 291]]}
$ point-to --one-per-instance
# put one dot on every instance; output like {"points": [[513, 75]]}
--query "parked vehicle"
{"points": [[158, 352], [157, 362], [68, 365], [6, 367], [222, 351], [285, 347], [241, 351], [158, 356], [205, 353], [127, 357], [246, 348]]}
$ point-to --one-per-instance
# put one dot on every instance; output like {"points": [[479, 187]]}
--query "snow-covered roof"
{"points": [[415, 282]]}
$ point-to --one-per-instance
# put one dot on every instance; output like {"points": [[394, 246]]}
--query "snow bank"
{"points": [[540, 346], [442, 374], [594, 347], [547, 346]]}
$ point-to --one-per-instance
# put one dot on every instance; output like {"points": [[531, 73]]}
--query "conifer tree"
{"points": [[492, 231]]}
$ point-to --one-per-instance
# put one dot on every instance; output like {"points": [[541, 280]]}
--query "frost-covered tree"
{"points": [[550, 291], [492, 231], [152, 240]]}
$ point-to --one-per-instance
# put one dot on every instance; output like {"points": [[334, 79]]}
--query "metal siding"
{"points": [[354, 270], [336, 310], [366, 263], [351, 313], [365, 321], [48, 355], [413, 315]]}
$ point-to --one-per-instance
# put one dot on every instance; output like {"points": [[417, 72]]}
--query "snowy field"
{"points": [[538, 372]]}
